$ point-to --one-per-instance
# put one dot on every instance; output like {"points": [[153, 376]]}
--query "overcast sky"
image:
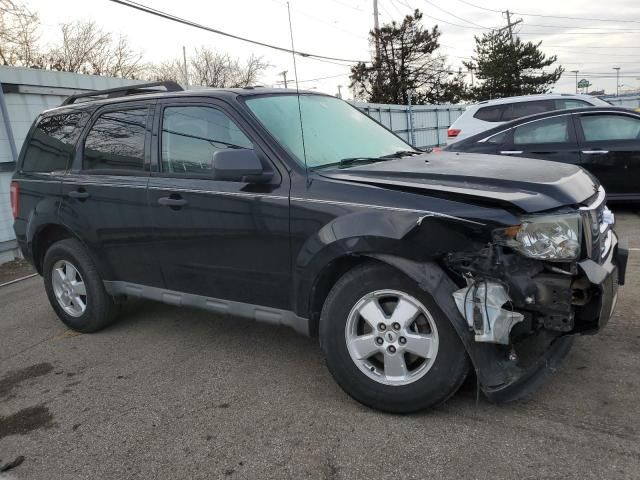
{"points": [[338, 28]]}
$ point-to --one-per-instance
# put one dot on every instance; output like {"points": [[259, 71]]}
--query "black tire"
{"points": [[446, 374], [101, 309]]}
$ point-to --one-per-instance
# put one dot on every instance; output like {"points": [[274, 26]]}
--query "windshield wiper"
{"points": [[402, 153], [346, 162]]}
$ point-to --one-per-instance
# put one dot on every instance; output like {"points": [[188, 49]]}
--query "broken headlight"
{"points": [[544, 237]]}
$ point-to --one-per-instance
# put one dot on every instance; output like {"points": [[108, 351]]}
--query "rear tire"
{"points": [[401, 366], [75, 289]]}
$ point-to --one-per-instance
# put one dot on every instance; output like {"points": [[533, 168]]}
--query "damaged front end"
{"points": [[528, 291]]}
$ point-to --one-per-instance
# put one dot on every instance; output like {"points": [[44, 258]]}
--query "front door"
{"points": [[220, 239], [610, 149]]}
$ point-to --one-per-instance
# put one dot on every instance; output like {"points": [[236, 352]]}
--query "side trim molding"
{"points": [[259, 313]]}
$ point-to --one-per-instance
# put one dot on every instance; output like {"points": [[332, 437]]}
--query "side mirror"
{"points": [[239, 165]]}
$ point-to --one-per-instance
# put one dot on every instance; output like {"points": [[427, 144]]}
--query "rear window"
{"points": [[51, 145]]}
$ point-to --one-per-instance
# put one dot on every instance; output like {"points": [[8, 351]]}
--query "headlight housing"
{"points": [[553, 238]]}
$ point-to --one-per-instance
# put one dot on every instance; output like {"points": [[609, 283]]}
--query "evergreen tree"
{"points": [[407, 62], [505, 68]]}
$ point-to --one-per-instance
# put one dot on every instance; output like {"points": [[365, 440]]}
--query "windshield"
{"points": [[333, 129]]}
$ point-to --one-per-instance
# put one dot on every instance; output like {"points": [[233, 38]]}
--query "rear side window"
{"points": [[522, 109], [52, 143], [567, 103], [192, 134], [551, 130], [598, 128], [116, 141], [493, 113]]}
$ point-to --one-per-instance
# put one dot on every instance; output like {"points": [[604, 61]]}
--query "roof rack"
{"points": [[137, 89]]}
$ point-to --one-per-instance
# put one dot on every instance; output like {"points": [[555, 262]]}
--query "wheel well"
{"points": [[325, 282], [44, 239]]}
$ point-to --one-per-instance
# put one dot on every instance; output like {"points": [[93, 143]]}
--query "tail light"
{"points": [[453, 132], [13, 191]]}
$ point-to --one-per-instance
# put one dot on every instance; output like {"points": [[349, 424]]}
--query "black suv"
{"points": [[297, 209]]}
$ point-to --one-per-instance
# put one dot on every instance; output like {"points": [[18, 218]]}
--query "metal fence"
{"points": [[420, 125], [629, 101]]}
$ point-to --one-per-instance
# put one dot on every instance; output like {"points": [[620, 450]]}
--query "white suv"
{"points": [[491, 113]]}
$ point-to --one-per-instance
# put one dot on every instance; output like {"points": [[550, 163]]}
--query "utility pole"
{"points": [[376, 26], [617, 69], [339, 91], [186, 71], [510, 25], [471, 72], [284, 76], [576, 72]]}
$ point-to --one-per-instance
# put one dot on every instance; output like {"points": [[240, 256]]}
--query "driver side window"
{"points": [[192, 134], [598, 128]]}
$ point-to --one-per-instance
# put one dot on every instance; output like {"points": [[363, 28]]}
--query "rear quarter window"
{"points": [[51, 145]]}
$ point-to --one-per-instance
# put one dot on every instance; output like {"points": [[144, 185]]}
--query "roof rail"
{"points": [[136, 89]]}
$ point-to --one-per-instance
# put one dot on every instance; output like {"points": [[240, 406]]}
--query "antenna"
{"points": [[295, 73]]}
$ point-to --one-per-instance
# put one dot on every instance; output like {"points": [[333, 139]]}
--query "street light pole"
{"points": [[617, 69], [284, 76], [576, 72]]}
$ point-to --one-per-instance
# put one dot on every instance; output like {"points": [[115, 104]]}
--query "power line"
{"points": [[609, 20], [319, 78], [552, 16], [456, 16], [167, 16], [481, 8], [320, 20]]}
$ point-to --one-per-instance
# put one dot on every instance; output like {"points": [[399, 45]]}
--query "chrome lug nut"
{"points": [[382, 327], [402, 340], [391, 349], [379, 340], [396, 326]]}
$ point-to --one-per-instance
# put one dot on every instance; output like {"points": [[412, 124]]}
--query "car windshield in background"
{"points": [[333, 129]]}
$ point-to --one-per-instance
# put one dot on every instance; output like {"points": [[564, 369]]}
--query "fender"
{"points": [[47, 215], [409, 234]]}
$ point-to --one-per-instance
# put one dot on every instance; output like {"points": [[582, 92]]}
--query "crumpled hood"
{"points": [[531, 185]]}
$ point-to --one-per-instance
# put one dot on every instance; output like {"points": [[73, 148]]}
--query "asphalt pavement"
{"points": [[169, 393]]}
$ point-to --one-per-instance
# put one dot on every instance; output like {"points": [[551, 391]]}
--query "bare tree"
{"points": [[170, 70], [249, 73], [18, 34], [215, 69], [123, 61], [86, 48]]}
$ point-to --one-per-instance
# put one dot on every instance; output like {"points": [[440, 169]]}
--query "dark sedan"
{"points": [[603, 140]]}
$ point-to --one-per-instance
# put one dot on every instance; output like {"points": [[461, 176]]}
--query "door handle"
{"points": [[595, 152], [81, 194], [510, 152], [172, 201]]}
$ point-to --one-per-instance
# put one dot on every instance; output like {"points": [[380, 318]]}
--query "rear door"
{"points": [[551, 138], [220, 239], [45, 158], [610, 149], [105, 193]]}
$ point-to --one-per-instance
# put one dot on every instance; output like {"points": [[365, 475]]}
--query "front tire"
{"points": [[75, 289], [387, 343]]}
